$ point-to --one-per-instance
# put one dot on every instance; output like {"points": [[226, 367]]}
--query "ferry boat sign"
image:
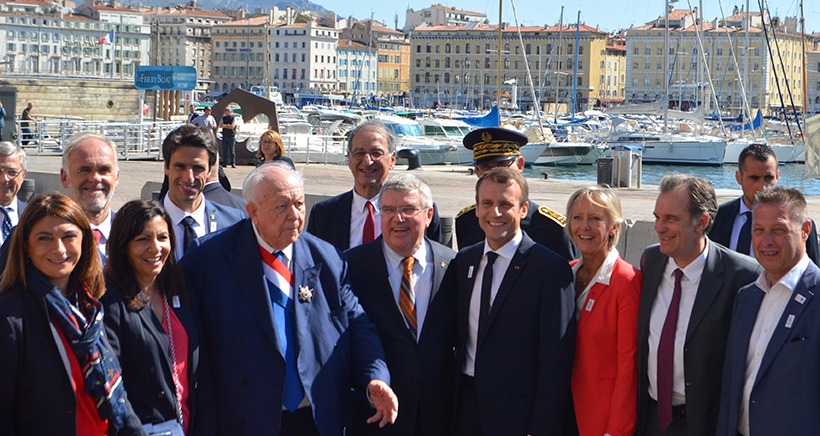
{"points": [[162, 77]]}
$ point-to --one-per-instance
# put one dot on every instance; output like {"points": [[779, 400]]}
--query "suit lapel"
{"points": [[517, 264], [385, 293], [247, 264], [311, 307], [470, 258], [800, 299], [708, 289], [149, 324], [439, 266], [343, 223], [210, 217], [652, 276]]}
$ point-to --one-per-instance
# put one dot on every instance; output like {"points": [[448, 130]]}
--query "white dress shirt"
{"points": [[775, 299], [689, 289], [602, 276], [421, 276], [177, 215], [502, 262], [358, 215], [14, 216], [740, 220], [105, 230]]}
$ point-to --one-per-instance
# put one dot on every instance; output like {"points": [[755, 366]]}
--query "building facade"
{"points": [[239, 50], [439, 15], [356, 70], [304, 58]]}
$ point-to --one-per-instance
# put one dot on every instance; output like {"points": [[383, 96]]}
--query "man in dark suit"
{"points": [[351, 218], [771, 382], [495, 147], [756, 170], [215, 192], [189, 154], [283, 333], [398, 280], [515, 323], [90, 174], [13, 171], [689, 286]]}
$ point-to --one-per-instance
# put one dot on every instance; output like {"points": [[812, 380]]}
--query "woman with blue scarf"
{"points": [[57, 373]]}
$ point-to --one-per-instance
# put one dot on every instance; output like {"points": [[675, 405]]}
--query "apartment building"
{"points": [[131, 42], [357, 69], [439, 15], [239, 50]]}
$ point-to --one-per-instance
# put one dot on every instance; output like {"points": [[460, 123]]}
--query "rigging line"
{"points": [[785, 77], [774, 69], [708, 70], [536, 98], [746, 107]]}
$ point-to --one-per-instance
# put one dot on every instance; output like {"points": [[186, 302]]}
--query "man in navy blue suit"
{"points": [[515, 320], [398, 279], [189, 154], [284, 335], [771, 382], [351, 218]]}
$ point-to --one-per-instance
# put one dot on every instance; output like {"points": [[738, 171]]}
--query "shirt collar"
{"points": [[105, 226], [287, 251], [12, 207], [359, 202], [743, 208], [508, 250], [394, 258], [790, 280], [604, 273], [177, 214], [694, 270]]}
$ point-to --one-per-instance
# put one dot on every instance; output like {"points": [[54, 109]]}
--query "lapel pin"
{"points": [[305, 294], [470, 272], [443, 264], [799, 298], [790, 321], [517, 267]]}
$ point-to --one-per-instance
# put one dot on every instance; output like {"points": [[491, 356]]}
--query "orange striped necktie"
{"points": [[407, 296]]}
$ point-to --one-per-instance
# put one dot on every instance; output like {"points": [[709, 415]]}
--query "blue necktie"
{"points": [[6, 222], [283, 315]]}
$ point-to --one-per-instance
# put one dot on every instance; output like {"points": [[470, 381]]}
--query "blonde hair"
{"points": [[603, 197], [272, 136]]}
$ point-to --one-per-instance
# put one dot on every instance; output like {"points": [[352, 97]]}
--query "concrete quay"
{"points": [[453, 188]]}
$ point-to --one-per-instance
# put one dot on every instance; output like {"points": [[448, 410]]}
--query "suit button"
{"points": [[161, 394]]}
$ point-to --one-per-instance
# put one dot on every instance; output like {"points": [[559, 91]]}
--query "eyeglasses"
{"points": [[404, 211], [10, 172], [486, 166], [375, 154]]}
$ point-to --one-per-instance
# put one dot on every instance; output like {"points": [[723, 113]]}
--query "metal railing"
{"points": [[133, 140]]}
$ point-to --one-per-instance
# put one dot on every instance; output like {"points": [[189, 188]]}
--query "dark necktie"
{"points": [[283, 311], [369, 230], [6, 222], [744, 239], [486, 290], [666, 357], [189, 233], [407, 296]]}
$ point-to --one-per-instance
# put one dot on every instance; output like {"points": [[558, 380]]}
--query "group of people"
{"points": [[205, 314]]}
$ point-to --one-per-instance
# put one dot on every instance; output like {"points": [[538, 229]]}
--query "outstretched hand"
{"points": [[384, 401]]}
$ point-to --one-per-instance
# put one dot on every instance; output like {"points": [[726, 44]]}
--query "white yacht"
{"points": [[410, 135]]}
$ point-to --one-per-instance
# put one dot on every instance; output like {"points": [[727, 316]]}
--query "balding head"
{"points": [[275, 202]]}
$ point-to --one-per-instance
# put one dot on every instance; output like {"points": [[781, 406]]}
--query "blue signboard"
{"points": [[165, 78]]}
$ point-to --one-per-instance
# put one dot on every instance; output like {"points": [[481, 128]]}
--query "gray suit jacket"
{"points": [[726, 271]]}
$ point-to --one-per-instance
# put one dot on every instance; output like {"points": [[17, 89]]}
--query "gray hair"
{"points": [[792, 198], [607, 200], [252, 182], [702, 199], [408, 182], [78, 139], [8, 148], [380, 127]]}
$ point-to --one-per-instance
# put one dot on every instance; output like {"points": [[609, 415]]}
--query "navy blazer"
{"points": [[524, 357], [36, 393], [215, 193], [422, 371], [338, 347], [725, 272], [785, 397], [721, 231], [139, 341], [330, 220]]}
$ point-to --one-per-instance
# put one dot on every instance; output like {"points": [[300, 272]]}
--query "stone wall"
{"points": [[92, 99]]}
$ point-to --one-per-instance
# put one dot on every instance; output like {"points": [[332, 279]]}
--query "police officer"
{"points": [[497, 147]]}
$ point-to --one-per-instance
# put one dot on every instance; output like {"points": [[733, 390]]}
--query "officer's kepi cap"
{"points": [[492, 144]]}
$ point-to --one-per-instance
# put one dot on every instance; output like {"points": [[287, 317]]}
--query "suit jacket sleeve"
{"points": [[434, 229], [556, 351], [10, 340]]}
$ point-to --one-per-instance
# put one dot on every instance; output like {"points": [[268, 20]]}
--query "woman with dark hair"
{"points": [[150, 322], [58, 375], [271, 148]]}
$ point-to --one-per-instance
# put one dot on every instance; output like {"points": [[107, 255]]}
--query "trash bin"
{"points": [[605, 170], [626, 167]]}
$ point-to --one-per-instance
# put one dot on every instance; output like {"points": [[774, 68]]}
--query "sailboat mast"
{"points": [[575, 66], [803, 47], [666, 70], [498, 77], [558, 61]]}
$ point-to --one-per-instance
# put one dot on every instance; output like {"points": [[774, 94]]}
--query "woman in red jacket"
{"points": [[607, 289]]}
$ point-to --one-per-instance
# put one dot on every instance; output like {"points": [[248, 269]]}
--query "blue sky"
{"points": [[608, 14]]}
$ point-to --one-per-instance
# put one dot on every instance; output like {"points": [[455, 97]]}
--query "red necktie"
{"points": [[369, 231], [97, 235], [666, 357]]}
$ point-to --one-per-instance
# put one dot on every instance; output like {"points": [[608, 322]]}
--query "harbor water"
{"points": [[721, 177]]}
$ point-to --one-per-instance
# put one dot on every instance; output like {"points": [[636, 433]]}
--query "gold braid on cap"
{"points": [[488, 147]]}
